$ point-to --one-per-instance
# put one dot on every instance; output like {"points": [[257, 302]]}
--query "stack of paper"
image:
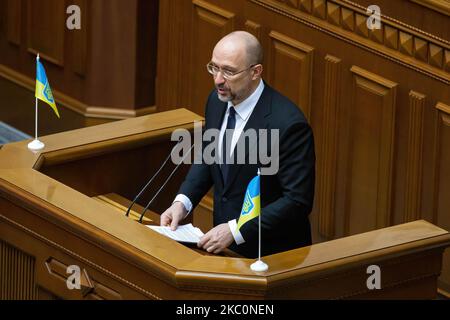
{"points": [[184, 233]]}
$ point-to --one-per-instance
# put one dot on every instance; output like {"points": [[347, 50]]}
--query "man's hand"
{"points": [[172, 216], [217, 239]]}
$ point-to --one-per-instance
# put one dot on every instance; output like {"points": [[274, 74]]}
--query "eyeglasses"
{"points": [[226, 74]]}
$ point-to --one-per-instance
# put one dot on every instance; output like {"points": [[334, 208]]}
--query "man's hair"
{"points": [[253, 47]]}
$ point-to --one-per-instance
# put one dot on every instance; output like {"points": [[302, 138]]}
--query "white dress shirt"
{"points": [[243, 112]]}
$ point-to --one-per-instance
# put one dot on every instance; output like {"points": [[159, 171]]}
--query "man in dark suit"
{"points": [[241, 101]]}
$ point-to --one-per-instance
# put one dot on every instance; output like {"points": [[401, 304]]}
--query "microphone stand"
{"points": [[164, 184], [152, 178]]}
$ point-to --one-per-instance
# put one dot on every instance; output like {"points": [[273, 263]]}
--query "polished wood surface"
{"points": [[57, 223], [106, 69], [121, 205]]}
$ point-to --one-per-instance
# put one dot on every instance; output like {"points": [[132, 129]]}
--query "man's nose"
{"points": [[219, 79]]}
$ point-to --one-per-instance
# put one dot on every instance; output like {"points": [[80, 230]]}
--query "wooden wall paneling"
{"points": [[46, 21], [421, 49], [391, 37], [108, 66], [333, 13], [304, 5], [17, 274], [210, 24], [370, 158], [112, 63], [354, 19], [14, 21], [447, 61], [119, 54], [3, 19], [146, 53], [169, 74], [89, 287], [442, 183], [440, 6], [46, 295], [327, 176], [78, 38], [319, 8], [416, 15], [347, 19], [413, 191], [59, 248], [361, 25], [296, 60], [436, 56], [254, 28]]}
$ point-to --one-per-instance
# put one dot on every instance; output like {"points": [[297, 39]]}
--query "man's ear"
{"points": [[257, 72]]}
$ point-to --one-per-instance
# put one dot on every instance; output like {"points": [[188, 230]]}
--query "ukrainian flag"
{"points": [[251, 208], [43, 90]]}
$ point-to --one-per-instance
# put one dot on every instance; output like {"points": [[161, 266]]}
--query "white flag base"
{"points": [[259, 266], [36, 145]]}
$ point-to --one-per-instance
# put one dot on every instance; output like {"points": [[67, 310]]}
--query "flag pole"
{"points": [[36, 145], [259, 266], [36, 119]]}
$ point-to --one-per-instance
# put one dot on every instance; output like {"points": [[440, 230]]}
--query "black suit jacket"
{"points": [[286, 197]]}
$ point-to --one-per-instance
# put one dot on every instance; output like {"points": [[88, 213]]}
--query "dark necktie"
{"points": [[226, 143]]}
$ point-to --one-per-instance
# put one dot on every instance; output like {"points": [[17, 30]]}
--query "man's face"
{"points": [[232, 58]]}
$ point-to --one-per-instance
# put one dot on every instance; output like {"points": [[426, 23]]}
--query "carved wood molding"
{"points": [[215, 15], [39, 42], [442, 121], [226, 290], [396, 41], [348, 274], [329, 147], [79, 40], [17, 274], [442, 6], [75, 105], [13, 22], [89, 287], [79, 257], [400, 23], [209, 23], [301, 55], [413, 187], [254, 28], [209, 8], [365, 82]]}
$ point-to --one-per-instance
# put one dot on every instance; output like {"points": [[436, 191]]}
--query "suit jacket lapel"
{"points": [[218, 113], [256, 121]]}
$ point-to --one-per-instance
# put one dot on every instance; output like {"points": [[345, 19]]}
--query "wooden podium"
{"points": [[63, 208]]}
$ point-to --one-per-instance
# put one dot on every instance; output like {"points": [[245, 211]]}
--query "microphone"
{"points": [[164, 184], [152, 178]]}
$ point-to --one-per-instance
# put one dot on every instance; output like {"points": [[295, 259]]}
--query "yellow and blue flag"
{"points": [[43, 90], [251, 208]]}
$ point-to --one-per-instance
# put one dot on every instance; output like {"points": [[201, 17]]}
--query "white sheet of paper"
{"points": [[184, 233]]}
